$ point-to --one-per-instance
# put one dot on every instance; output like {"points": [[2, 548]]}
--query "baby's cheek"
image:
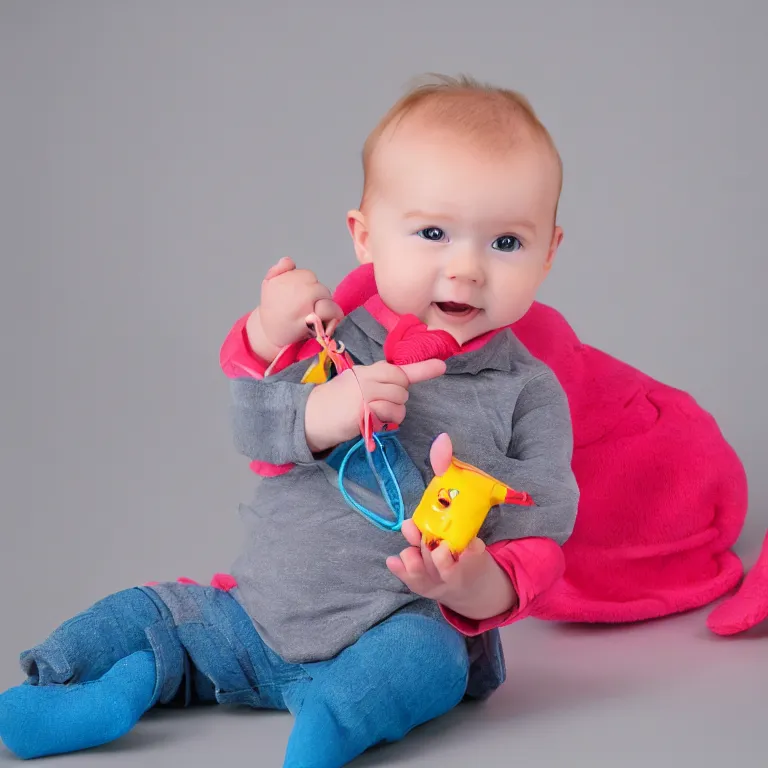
{"points": [[509, 309], [512, 293], [402, 291]]}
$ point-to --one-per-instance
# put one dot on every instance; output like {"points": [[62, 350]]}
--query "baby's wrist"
{"points": [[492, 595], [261, 346], [318, 429]]}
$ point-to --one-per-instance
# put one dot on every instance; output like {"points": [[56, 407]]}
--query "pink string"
{"points": [[272, 365], [367, 424], [337, 355]]}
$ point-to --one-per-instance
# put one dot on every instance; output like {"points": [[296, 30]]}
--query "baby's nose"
{"points": [[466, 265]]}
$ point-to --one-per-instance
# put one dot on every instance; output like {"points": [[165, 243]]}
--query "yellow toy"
{"points": [[456, 503], [332, 353], [320, 371]]}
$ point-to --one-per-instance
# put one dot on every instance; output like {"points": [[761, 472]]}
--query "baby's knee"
{"points": [[429, 649], [417, 660]]}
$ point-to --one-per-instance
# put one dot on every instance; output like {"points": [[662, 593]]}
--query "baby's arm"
{"points": [[537, 461], [267, 398], [277, 420], [268, 417], [525, 542], [261, 357]]}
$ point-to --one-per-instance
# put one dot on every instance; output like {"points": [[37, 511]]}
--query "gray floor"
{"points": [[666, 693]]}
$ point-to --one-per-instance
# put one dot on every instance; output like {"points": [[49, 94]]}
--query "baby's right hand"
{"points": [[334, 409], [288, 296]]}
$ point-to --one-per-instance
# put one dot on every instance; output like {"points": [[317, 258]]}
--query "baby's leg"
{"points": [[36, 721], [87, 684], [400, 674], [88, 645]]}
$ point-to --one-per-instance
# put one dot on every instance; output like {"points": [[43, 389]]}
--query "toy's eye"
{"points": [[446, 496]]}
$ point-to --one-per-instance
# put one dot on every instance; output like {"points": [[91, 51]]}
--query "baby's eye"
{"points": [[435, 234], [507, 243]]}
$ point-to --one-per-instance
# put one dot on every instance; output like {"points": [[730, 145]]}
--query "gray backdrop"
{"points": [[156, 157]]}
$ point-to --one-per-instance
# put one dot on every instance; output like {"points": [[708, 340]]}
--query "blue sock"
{"points": [[41, 720]]}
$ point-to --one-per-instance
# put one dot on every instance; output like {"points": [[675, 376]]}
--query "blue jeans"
{"points": [[401, 673]]}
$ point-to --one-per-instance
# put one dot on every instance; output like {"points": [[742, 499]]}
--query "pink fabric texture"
{"points": [[749, 606], [223, 581]]}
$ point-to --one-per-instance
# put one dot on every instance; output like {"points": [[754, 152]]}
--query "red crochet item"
{"points": [[410, 342], [663, 495]]}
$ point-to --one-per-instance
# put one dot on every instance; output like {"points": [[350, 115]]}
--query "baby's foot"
{"points": [[36, 721]]}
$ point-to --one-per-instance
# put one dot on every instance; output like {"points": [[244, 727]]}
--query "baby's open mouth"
{"points": [[454, 309]]}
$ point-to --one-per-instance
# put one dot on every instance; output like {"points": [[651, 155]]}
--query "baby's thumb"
{"points": [[286, 264], [328, 310], [475, 547], [423, 371]]}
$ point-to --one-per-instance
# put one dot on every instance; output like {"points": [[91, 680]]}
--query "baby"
{"points": [[335, 610]]}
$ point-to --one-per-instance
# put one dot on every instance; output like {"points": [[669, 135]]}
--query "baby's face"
{"points": [[460, 238]]}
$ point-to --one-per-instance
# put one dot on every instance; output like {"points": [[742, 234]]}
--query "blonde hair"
{"points": [[496, 116]]}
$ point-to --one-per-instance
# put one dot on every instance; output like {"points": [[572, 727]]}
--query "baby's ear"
{"points": [[358, 229], [557, 238]]}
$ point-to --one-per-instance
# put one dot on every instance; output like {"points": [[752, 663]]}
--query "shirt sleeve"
{"points": [[268, 401], [238, 359], [533, 565], [538, 462]]}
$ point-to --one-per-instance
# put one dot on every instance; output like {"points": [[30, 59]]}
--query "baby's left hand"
{"points": [[472, 584], [437, 574]]}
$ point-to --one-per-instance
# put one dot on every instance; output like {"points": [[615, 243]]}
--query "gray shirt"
{"points": [[312, 574]]}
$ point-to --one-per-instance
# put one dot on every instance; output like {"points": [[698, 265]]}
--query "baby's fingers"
{"points": [[328, 311], [411, 533], [392, 393], [408, 567], [389, 413], [424, 370], [414, 564], [443, 561]]}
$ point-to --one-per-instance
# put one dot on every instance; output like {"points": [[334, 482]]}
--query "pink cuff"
{"points": [[236, 357], [533, 565]]}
